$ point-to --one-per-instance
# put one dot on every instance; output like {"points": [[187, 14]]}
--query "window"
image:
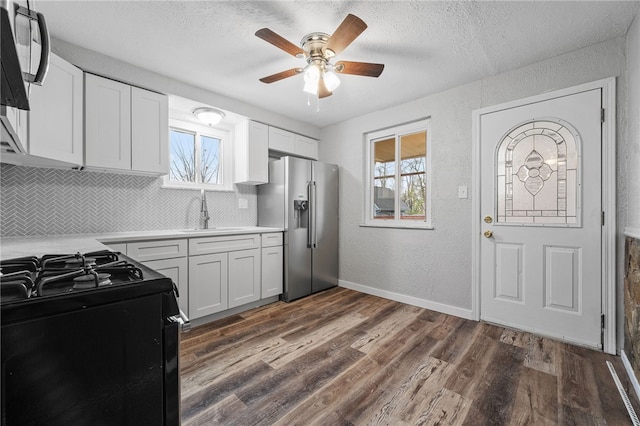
{"points": [[198, 157], [399, 177]]}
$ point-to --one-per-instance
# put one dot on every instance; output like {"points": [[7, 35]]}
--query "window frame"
{"points": [[226, 155], [396, 132]]}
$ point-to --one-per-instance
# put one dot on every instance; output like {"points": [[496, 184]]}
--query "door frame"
{"points": [[608, 230]]}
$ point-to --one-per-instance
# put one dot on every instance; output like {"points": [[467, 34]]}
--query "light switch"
{"points": [[462, 191], [243, 203]]}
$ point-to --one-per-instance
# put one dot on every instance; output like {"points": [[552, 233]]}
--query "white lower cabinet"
{"points": [[176, 269], [208, 279], [272, 264], [244, 277], [215, 273], [169, 257]]}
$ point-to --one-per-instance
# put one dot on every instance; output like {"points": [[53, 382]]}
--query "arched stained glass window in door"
{"points": [[538, 175]]}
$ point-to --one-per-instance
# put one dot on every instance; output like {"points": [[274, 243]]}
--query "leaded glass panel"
{"points": [[538, 174]]}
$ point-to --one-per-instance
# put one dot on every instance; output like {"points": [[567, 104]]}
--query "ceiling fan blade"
{"points": [[281, 75], [359, 68], [349, 29], [323, 92], [278, 41]]}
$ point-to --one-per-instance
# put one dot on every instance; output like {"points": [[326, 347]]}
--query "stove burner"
{"points": [[91, 280]]}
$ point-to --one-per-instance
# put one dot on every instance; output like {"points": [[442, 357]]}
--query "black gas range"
{"points": [[88, 338]]}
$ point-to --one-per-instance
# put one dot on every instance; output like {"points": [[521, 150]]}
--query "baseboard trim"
{"points": [[409, 300], [630, 373]]}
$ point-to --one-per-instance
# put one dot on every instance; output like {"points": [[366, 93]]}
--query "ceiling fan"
{"points": [[318, 49]]}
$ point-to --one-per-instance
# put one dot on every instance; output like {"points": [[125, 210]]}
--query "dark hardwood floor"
{"points": [[346, 358]]}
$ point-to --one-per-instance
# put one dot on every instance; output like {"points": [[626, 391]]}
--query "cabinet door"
{"points": [[207, 284], [176, 269], [55, 119], [108, 123], [149, 131], [251, 153], [281, 140], [244, 277], [258, 153], [306, 147], [272, 264]]}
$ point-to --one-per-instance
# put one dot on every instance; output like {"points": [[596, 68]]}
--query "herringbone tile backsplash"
{"points": [[36, 201]]}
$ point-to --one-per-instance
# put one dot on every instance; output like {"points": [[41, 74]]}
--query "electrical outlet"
{"points": [[243, 203]]}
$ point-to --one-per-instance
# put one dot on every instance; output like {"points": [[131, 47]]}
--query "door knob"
{"points": [[488, 219], [488, 234]]}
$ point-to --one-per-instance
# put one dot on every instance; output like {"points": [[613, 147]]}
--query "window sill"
{"points": [[425, 227]]}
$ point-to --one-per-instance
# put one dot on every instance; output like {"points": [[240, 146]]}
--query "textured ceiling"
{"points": [[426, 46]]}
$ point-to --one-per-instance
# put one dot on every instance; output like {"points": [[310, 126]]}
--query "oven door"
{"points": [[103, 365]]}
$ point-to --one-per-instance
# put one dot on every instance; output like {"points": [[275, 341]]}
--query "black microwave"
{"points": [[25, 50]]}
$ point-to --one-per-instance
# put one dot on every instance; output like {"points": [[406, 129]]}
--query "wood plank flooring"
{"points": [[345, 358]]}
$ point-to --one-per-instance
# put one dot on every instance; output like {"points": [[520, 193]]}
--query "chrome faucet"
{"points": [[204, 212]]}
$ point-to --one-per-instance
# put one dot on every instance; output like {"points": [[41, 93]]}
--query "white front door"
{"points": [[541, 250]]}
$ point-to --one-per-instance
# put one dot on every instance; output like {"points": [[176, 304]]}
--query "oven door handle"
{"points": [[182, 319]]}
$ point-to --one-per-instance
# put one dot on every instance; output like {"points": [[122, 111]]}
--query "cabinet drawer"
{"points": [[223, 244], [271, 240], [156, 250]]}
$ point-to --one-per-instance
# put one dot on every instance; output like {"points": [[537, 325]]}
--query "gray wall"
{"points": [[36, 201], [434, 266]]}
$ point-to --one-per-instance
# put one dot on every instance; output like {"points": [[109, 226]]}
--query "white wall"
{"points": [[434, 266]]}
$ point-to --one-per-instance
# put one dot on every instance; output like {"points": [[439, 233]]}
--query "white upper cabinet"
{"points": [[281, 140], [108, 123], [251, 153], [126, 127], [306, 147], [55, 119], [149, 131], [51, 132], [287, 142]]}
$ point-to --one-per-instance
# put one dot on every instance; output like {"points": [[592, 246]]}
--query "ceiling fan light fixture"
{"points": [[317, 49], [311, 78], [331, 80], [209, 116]]}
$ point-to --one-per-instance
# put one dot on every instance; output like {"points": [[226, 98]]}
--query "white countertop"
{"points": [[12, 247]]}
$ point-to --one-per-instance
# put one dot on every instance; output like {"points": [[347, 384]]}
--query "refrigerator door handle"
{"points": [[310, 214], [313, 218]]}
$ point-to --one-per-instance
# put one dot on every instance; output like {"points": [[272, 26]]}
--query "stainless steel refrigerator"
{"points": [[302, 198]]}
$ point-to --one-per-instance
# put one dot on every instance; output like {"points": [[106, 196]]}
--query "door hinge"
{"points": [[602, 115], [602, 321], [602, 218], [601, 331]]}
